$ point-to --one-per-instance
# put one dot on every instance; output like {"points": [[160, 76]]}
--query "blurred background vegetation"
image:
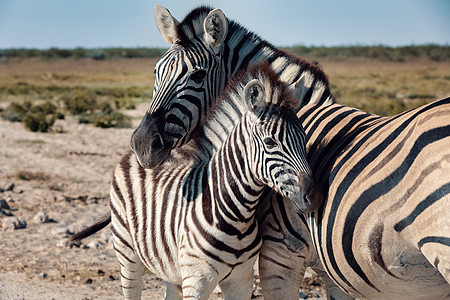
{"points": [[398, 54], [101, 86]]}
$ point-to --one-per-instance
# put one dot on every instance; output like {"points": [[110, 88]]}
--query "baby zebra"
{"points": [[191, 220]]}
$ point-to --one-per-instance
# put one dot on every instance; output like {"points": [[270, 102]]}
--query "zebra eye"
{"points": [[198, 75], [270, 142]]}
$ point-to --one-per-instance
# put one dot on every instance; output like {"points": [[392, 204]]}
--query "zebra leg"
{"points": [[131, 267], [198, 282], [238, 285], [332, 290], [281, 271], [173, 292], [131, 271], [131, 278], [286, 249]]}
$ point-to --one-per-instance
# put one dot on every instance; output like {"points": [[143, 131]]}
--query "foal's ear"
{"points": [[216, 27], [166, 23], [254, 95]]}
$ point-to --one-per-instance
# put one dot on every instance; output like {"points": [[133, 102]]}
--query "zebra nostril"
{"points": [[157, 143]]}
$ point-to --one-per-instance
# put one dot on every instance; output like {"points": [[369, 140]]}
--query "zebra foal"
{"points": [[191, 220]]}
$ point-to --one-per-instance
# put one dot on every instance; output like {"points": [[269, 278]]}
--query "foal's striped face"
{"points": [[280, 156], [279, 145]]}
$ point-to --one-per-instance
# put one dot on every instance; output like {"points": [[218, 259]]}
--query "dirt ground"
{"points": [[63, 179]]}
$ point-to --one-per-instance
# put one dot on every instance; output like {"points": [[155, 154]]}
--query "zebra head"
{"points": [[279, 148], [188, 77]]}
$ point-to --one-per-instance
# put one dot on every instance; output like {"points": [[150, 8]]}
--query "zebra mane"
{"points": [[228, 109], [191, 29]]}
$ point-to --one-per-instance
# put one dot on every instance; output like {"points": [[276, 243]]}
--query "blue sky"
{"points": [[119, 23]]}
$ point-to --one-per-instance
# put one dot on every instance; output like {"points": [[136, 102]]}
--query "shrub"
{"points": [[81, 103], [29, 175], [38, 122], [113, 119], [40, 117]]}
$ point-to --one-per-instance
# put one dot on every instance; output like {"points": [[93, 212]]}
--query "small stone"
{"points": [[92, 200], [6, 213], [10, 187], [95, 244], [59, 230], [13, 223], [44, 275], [101, 272], [68, 242], [41, 217], [89, 281], [62, 243], [4, 204], [111, 278], [61, 198]]}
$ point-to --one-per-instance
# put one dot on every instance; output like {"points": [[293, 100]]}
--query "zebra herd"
{"points": [[186, 208]]}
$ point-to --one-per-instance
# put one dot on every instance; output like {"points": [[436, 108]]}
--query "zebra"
{"points": [[188, 78], [185, 220], [207, 50], [398, 257]]}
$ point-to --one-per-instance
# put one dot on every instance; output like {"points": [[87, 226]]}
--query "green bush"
{"points": [[81, 103], [39, 117], [38, 122], [113, 119], [105, 116]]}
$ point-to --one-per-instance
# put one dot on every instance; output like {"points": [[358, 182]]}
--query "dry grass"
{"points": [[387, 88], [29, 175], [379, 87]]}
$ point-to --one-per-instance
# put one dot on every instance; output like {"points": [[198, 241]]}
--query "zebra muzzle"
{"points": [[311, 196], [148, 142]]}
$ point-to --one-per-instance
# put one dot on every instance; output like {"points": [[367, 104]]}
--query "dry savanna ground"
{"points": [[56, 182]]}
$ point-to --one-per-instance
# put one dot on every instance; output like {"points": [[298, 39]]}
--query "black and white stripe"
{"points": [[185, 220]]}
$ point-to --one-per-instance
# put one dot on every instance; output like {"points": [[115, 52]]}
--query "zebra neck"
{"points": [[244, 48], [233, 183], [329, 130]]}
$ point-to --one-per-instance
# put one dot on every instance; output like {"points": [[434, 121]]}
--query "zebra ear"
{"points": [[166, 23], [254, 95], [216, 27]]}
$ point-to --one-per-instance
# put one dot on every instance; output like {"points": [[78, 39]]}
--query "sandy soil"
{"points": [[66, 175]]}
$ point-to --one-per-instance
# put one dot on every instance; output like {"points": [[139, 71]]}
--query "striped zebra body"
{"points": [[384, 230], [185, 220], [180, 98], [238, 49], [341, 152]]}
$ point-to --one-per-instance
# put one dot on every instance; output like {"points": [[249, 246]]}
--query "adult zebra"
{"points": [[364, 256], [185, 220], [368, 165]]}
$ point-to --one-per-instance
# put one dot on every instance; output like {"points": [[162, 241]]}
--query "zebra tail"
{"points": [[97, 226]]}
